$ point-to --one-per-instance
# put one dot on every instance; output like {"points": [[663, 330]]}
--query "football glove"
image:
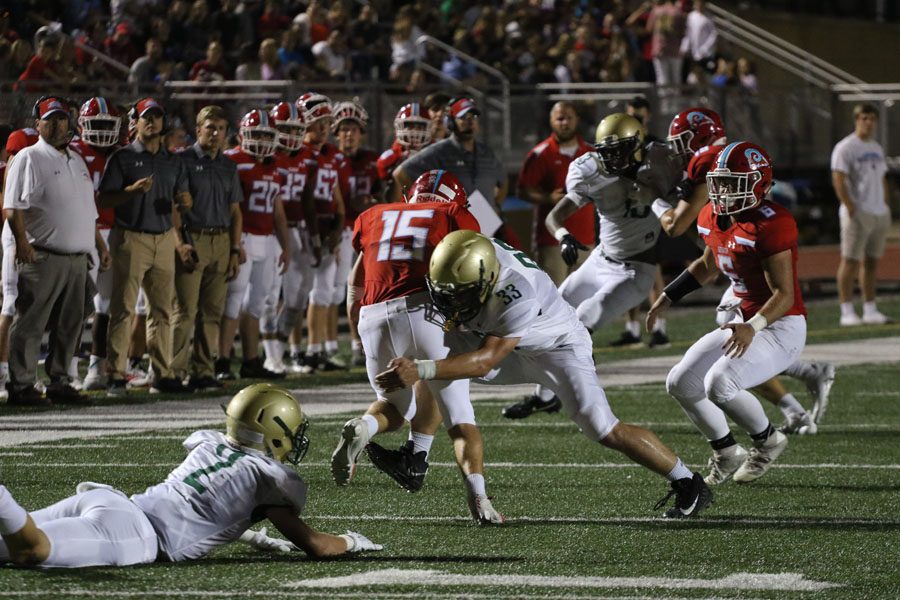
{"points": [[683, 189], [357, 542], [569, 247], [259, 540]]}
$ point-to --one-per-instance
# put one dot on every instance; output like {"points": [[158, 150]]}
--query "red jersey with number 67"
{"points": [[95, 159], [397, 240], [741, 249], [331, 170], [261, 183]]}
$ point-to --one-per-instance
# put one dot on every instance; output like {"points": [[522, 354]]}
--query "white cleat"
{"points": [[876, 318], [722, 466], [761, 458], [354, 438], [799, 423], [820, 388], [276, 365], [4, 379], [483, 511], [851, 320], [94, 380]]}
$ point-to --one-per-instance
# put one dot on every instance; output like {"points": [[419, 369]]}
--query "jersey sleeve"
{"points": [[699, 166], [839, 159], [464, 219], [577, 187], [777, 234], [356, 239], [281, 486]]}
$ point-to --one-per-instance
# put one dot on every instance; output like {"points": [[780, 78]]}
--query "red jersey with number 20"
{"points": [[261, 183], [741, 249], [397, 240]]}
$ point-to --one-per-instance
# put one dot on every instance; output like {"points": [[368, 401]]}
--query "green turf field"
{"points": [[581, 519]]}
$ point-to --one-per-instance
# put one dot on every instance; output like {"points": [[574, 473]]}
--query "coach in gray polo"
{"points": [[49, 202], [215, 225]]}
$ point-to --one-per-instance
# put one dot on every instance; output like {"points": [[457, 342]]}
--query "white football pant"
{"points": [[247, 292], [344, 263]]}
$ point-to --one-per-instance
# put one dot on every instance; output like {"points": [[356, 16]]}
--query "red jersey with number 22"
{"points": [[741, 249], [396, 241], [298, 170], [261, 183]]}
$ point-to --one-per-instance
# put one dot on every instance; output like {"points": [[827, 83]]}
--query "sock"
{"points": [[475, 481], [331, 346], [869, 308], [372, 423], [356, 345], [269, 347], [73, 368], [847, 309], [679, 471], [722, 443], [544, 393], [633, 327], [660, 326], [4, 369], [296, 350], [421, 442], [12, 516], [762, 436], [789, 405], [313, 349], [95, 363]]}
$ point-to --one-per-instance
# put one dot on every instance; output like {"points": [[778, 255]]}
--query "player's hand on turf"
{"points": [[401, 373], [569, 247], [261, 541], [657, 310], [740, 340], [357, 542]]}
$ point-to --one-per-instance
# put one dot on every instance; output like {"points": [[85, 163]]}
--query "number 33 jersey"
{"points": [[741, 249], [627, 225], [525, 304], [397, 240], [215, 495]]}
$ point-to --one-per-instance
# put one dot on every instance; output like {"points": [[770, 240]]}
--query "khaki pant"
{"points": [[203, 291], [51, 291], [864, 235], [551, 261], [148, 260]]}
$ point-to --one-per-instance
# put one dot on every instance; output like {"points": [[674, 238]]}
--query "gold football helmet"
{"points": [[462, 274], [268, 418], [619, 143]]}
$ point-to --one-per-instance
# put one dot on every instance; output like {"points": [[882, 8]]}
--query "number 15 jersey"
{"points": [[397, 240]]}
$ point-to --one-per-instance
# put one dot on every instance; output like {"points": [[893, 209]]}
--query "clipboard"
{"points": [[488, 219]]}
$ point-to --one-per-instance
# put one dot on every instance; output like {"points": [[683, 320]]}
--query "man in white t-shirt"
{"points": [[858, 175]]}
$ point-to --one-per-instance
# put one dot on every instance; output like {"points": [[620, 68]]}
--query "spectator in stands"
{"points": [[366, 47], [436, 104], [144, 183], [270, 67], [213, 67], [145, 69], [41, 68], [312, 24], [542, 181], [666, 25], [699, 43], [231, 27], [618, 65], [858, 174], [198, 32], [249, 67], [332, 55], [121, 45], [272, 21], [746, 72], [49, 203], [404, 51], [290, 54]]}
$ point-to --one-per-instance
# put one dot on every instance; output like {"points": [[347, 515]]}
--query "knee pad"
{"points": [[719, 387], [683, 385]]}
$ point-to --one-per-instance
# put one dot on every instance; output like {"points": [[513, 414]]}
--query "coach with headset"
{"points": [[147, 186], [49, 203], [473, 162]]}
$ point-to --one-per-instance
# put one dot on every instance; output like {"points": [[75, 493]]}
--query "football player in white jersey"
{"points": [[227, 483], [508, 324], [622, 178]]}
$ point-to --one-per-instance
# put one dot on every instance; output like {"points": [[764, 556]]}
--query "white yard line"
{"points": [[308, 594], [732, 520]]}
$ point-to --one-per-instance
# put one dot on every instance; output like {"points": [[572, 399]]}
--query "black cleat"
{"points": [[531, 404], [691, 496], [223, 370], [405, 467], [627, 340], [658, 340], [327, 363], [254, 369]]}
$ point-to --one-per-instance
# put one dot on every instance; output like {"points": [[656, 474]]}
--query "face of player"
{"points": [[211, 135], [865, 125], [564, 123], [349, 137], [55, 129], [317, 131]]}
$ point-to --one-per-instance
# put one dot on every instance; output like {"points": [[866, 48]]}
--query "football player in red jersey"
{"points": [[412, 131], [263, 239], [297, 164], [389, 299], [754, 243], [17, 140], [350, 123], [331, 181], [99, 126], [697, 135]]}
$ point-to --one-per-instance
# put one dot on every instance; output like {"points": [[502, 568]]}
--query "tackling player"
{"points": [[754, 243], [227, 483], [508, 324]]}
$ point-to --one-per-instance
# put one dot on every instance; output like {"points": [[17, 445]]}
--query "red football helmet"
{"points": [[437, 186], [741, 178], [412, 127], [289, 126], [99, 122], [693, 129], [350, 111], [257, 134], [314, 106]]}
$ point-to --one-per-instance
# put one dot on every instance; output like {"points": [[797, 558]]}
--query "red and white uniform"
{"points": [[396, 319], [702, 162], [390, 158], [262, 185], [706, 382], [18, 140], [546, 168]]}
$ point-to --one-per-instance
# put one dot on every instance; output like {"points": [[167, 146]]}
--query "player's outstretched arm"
{"points": [[700, 272], [317, 544], [556, 219], [678, 219]]}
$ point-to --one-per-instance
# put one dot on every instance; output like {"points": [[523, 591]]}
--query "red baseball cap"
{"points": [[123, 29], [462, 107], [145, 105], [52, 105]]}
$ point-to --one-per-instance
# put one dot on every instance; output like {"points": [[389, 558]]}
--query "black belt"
{"points": [[209, 230], [57, 252], [146, 231]]}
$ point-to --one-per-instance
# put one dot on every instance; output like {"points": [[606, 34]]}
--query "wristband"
{"points": [[681, 286], [757, 322], [235, 251], [427, 369], [351, 543], [561, 233], [660, 207]]}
